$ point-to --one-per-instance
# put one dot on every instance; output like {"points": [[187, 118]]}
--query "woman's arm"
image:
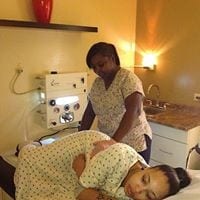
{"points": [[79, 162], [93, 194], [133, 109], [88, 118]]}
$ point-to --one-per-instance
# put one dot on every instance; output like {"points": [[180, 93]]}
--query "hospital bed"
{"points": [[8, 162], [7, 169]]}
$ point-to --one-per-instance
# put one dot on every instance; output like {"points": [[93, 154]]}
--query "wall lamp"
{"points": [[149, 62]]}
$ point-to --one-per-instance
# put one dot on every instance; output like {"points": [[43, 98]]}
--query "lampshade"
{"points": [[149, 61]]}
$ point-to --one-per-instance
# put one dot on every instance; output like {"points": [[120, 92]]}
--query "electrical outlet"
{"points": [[197, 97], [19, 68]]}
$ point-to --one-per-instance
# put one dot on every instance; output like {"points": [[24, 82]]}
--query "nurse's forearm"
{"points": [[133, 109], [125, 125], [88, 118]]}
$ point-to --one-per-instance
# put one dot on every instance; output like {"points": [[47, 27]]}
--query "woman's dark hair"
{"points": [[103, 48], [177, 178]]}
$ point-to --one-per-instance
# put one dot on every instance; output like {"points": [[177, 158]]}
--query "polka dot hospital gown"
{"points": [[45, 173], [107, 169]]}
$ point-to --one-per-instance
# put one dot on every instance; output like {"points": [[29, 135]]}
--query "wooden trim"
{"points": [[30, 24]]}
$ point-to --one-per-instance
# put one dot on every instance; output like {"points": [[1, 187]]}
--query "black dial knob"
{"points": [[66, 107], [76, 106], [52, 102], [53, 123]]}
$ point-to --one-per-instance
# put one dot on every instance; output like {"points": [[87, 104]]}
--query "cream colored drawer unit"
{"points": [[166, 150], [170, 145]]}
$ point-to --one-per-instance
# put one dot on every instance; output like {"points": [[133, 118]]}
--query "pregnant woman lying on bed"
{"points": [[88, 165]]}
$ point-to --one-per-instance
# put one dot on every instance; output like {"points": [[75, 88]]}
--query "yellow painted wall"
{"points": [[171, 29], [39, 51]]}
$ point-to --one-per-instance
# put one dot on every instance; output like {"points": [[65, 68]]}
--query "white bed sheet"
{"points": [[191, 192]]}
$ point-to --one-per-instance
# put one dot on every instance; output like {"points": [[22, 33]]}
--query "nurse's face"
{"points": [[147, 184], [104, 66]]}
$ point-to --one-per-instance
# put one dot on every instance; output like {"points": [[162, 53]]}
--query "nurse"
{"points": [[116, 100]]}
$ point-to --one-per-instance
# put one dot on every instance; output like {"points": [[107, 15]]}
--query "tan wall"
{"points": [[39, 51], [171, 29]]}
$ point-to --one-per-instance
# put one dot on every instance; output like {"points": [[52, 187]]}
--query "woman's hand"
{"points": [[79, 164], [80, 161], [101, 145], [93, 194]]}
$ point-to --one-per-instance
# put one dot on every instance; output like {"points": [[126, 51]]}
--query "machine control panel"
{"points": [[63, 98]]}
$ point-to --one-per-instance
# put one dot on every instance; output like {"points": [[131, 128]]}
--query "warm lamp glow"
{"points": [[126, 52], [149, 61]]}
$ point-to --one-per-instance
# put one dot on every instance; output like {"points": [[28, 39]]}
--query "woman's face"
{"points": [[104, 66], [147, 184]]}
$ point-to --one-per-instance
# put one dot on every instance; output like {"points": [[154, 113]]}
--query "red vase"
{"points": [[42, 10]]}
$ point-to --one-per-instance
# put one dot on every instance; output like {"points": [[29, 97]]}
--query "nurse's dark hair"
{"points": [[177, 178], [103, 48]]}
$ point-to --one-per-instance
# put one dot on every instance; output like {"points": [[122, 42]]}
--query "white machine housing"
{"points": [[63, 98]]}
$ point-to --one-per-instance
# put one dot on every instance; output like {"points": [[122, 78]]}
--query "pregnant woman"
{"points": [[88, 165]]}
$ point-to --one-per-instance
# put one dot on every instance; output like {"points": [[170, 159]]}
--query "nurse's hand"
{"points": [[101, 145]]}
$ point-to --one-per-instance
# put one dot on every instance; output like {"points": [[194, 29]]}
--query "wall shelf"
{"points": [[15, 23]]}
